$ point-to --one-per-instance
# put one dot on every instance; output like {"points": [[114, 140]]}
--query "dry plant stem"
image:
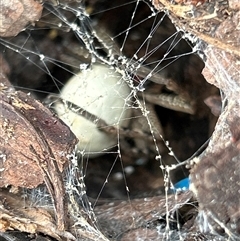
{"points": [[217, 43]]}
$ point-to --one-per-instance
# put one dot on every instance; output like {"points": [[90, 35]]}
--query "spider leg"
{"points": [[170, 101]]}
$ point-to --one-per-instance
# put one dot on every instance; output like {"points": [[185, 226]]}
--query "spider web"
{"points": [[144, 162]]}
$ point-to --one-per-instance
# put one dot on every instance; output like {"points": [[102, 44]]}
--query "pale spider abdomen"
{"points": [[103, 94]]}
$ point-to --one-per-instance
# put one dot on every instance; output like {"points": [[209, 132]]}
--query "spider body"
{"points": [[104, 95], [110, 100]]}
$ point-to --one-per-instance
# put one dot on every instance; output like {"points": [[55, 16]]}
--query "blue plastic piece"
{"points": [[182, 185]]}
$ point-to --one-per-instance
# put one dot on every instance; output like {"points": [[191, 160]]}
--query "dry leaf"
{"points": [[16, 14], [16, 214], [27, 125], [34, 145]]}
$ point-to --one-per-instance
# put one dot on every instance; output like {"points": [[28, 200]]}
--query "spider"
{"points": [[110, 99], [145, 87]]}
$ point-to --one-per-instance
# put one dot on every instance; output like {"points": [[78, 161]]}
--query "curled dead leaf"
{"points": [[16, 14], [215, 182], [15, 215], [27, 125], [34, 145]]}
